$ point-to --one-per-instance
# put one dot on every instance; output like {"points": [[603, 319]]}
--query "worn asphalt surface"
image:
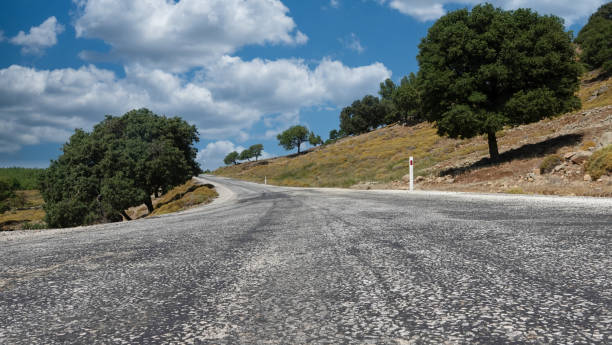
{"points": [[274, 265]]}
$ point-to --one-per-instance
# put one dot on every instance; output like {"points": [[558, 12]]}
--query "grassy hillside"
{"points": [[382, 156], [187, 195]]}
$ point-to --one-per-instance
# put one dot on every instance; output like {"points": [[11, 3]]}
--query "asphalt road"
{"points": [[272, 265]]}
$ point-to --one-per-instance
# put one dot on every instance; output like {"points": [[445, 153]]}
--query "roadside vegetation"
{"points": [[468, 102], [600, 163], [31, 215], [124, 162]]}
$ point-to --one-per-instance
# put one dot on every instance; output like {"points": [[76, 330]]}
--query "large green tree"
{"points": [[122, 163], [293, 137], [363, 115], [483, 69], [595, 39]]}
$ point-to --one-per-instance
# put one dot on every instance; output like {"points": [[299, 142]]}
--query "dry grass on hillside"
{"points": [[595, 92], [189, 194], [381, 155], [380, 158], [28, 213], [201, 195]]}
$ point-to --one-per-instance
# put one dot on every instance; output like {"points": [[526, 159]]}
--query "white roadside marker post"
{"points": [[265, 179], [411, 165]]}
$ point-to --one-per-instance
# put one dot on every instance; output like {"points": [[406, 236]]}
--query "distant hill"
{"points": [[379, 159]]}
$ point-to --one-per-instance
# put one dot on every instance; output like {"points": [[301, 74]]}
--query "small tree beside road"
{"points": [[293, 137]]}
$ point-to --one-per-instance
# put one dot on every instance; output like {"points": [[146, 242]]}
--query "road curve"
{"points": [[282, 265]]}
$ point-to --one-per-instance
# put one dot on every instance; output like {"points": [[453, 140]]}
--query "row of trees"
{"points": [[290, 139], [397, 104], [254, 151], [481, 70], [123, 162]]}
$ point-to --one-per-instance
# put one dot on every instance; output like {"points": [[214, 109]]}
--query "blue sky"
{"points": [[241, 71]]}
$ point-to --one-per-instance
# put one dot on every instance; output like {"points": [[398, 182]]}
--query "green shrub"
{"points": [[600, 163], [549, 163], [34, 226]]}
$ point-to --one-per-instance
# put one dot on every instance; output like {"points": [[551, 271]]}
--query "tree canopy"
{"points": [[293, 137], [484, 69], [231, 158], [314, 139], [121, 163], [403, 102], [595, 39], [256, 150], [362, 115], [245, 155]]}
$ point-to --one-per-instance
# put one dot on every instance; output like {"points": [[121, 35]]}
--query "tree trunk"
{"points": [[125, 215], [149, 204], [493, 150], [298, 149]]}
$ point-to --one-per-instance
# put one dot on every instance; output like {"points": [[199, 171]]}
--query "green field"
{"points": [[27, 178]]}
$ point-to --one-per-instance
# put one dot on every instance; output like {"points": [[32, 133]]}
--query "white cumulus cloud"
{"points": [[39, 38], [570, 10], [211, 156], [286, 85], [178, 35], [223, 101]]}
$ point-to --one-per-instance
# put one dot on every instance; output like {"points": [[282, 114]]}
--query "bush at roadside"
{"points": [[600, 163], [549, 163]]}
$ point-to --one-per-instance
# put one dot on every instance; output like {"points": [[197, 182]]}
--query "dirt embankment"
{"points": [[572, 138]]}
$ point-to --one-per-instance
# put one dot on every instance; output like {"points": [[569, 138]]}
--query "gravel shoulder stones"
{"points": [[265, 264]]}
